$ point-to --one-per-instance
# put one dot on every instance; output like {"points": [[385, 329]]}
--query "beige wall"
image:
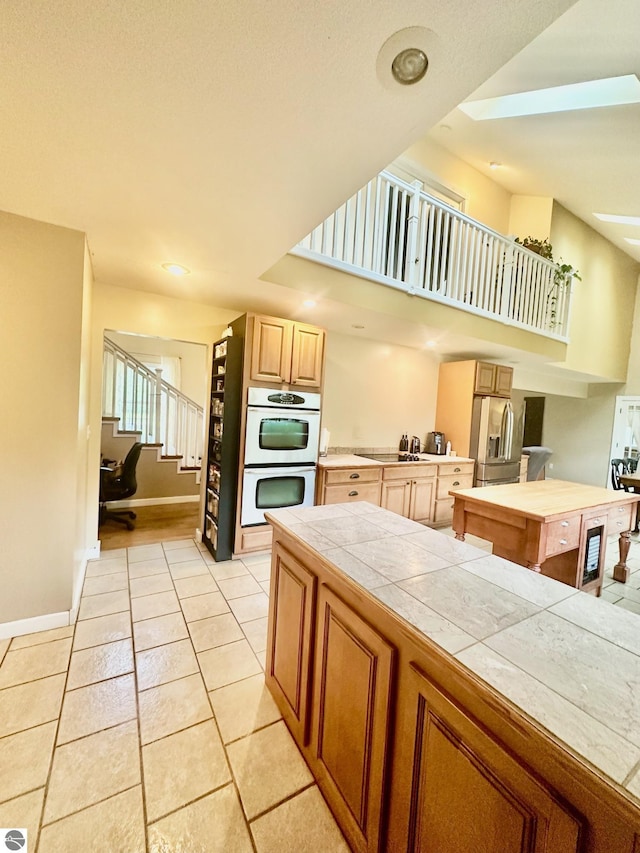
{"points": [[45, 289], [530, 216], [374, 392], [485, 200], [603, 302]]}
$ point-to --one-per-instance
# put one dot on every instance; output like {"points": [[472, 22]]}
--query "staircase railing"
{"points": [[145, 403], [394, 233]]}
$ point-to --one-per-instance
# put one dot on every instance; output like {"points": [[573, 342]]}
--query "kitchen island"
{"points": [[551, 526], [447, 700]]}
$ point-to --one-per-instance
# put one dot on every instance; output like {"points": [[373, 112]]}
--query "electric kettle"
{"points": [[436, 443], [414, 447]]}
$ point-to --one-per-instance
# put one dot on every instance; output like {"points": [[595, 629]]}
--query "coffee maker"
{"points": [[436, 443]]}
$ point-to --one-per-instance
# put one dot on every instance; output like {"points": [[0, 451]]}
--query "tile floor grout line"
{"points": [[88, 806], [57, 732], [234, 781], [287, 799]]}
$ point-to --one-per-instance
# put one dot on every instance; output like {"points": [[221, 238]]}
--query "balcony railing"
{"points": [[145, 403], [395, 234]]}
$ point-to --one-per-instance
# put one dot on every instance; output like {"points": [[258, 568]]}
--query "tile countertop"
{"points": [[352, 460], [570, 661]]}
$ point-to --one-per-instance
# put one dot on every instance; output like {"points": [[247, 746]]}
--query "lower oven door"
{"points": [[275, 488]]}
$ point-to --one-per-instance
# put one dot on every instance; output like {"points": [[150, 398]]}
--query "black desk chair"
{"points": [[118, 484]]}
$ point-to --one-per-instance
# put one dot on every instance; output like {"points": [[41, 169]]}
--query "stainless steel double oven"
{"points": [[281, 450]]}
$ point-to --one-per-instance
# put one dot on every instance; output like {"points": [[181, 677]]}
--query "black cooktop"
{"points": [[390, 457]]}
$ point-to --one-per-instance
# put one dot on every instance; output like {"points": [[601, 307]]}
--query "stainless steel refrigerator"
{"points": [[496, 441]]}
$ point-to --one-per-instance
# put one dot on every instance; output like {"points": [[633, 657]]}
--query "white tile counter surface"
{"points": [[568, 660]]}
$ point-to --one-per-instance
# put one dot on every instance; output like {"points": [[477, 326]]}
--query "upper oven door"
{"points": [[276, 436]]}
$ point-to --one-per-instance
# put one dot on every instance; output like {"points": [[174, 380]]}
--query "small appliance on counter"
{"points": [[436, 443], [414, 447]]}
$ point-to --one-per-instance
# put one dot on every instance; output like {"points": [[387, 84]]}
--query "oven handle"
{"points": [[272, 410], [283, 471]]}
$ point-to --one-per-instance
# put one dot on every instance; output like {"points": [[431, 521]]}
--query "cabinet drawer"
{"points": [[450, 468], [258, 539], [351, 475], [443, 511], [563, 535], [407, 471], [620, 519], [355, 491], [452, 482]]}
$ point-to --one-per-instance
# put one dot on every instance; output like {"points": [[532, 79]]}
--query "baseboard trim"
{"points": [[34, 624], [177, 499]]}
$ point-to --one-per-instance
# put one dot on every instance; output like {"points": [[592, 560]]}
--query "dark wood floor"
{"points": [[153, 524]]}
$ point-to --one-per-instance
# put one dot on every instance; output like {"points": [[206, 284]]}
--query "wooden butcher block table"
{"points": [[550, 526]]}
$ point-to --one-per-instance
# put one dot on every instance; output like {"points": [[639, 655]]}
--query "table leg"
{"points": [[460, 537], [534, 567], [620, 570]]}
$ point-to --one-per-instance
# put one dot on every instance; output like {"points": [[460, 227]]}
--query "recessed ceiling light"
{"points": [[632, 241], [309, 303], [409, 66], [176, 269], [431, 343], [356, 326], [609, 92], [619, 220], [494, 165]]}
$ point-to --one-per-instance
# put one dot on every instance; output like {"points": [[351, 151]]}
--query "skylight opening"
{"points": [[609, 92]]}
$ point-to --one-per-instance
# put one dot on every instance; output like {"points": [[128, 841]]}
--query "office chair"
{"points": [[116, 485], [618, 468]]}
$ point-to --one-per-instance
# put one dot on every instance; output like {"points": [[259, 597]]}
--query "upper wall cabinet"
{"points": [[285, 351], [494, 379]]}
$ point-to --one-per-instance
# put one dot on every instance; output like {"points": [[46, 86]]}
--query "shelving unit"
{"points": [[223, 447]]}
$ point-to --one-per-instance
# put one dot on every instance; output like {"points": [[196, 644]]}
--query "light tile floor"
{"points": [[147, 726]]}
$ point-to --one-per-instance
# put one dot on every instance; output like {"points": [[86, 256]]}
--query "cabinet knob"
{"points": [[354, 476], [352, 494], [596, 521], [563, 541], [564, 524]]}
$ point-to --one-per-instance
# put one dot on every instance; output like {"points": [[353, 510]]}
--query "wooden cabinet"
{"points": [[458, 382], [408, 490], [284, 351], [451, 476], [343, 485], [223, 448], [466, 792], [292, 601], [493, 379], [350, 726]]}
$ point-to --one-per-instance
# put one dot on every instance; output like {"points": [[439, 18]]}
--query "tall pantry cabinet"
{"points": [[223, 446]]}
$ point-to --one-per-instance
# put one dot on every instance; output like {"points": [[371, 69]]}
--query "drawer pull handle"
{"points": [[354, 476], [564, 523], [456, 483], [456, 470], [352, 494], [563, 541]]}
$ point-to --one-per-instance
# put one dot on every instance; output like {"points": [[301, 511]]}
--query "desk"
{"points": [[550, 526]]}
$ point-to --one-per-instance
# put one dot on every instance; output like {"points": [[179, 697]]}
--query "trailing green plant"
{"points": [[562, 275]]}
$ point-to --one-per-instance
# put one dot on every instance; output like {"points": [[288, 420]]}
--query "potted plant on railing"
{"points": [[562, 275]]}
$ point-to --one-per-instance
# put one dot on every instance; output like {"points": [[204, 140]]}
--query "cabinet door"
{"points": [[351, 701], [396, 496], [291, 614], [468, 793], [307, 355], [421, 502], [271, 349], [504, 378], [485, 378]]}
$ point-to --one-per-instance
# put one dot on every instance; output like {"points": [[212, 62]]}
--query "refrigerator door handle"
{"points": [[506, 431]]}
